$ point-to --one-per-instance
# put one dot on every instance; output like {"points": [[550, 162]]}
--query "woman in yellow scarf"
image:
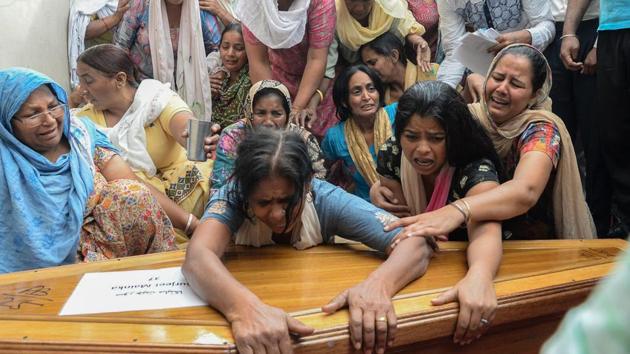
{"points": [[386, 56], [361, 21], [543, 196], [365, 125]]}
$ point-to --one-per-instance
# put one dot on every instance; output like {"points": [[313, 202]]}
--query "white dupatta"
{"points": [[128, 134], [81, 12], [275, 29], [191, 75]]}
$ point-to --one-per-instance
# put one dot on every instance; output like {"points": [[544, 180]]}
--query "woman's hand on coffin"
{"points": [[477, 305], [372, 317], [265, 329]]}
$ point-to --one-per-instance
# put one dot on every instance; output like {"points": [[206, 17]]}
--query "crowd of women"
{"points": [[349, 118]]}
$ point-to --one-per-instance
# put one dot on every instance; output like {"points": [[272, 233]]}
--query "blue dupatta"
{"points": [[42, 203]]}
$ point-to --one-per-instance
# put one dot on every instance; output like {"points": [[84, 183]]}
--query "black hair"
{"points": [[272, 91], [385, 44], [268, 153], [341, 91], [466, 140], [110, 60], [232, 27], [537, 61]]}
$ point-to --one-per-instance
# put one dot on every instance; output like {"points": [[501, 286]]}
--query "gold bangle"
{"points": [[465, 212], [468, 209], [321, 95]]}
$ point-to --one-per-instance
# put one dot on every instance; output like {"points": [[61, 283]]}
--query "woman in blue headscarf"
{"points": [[65, 194]]}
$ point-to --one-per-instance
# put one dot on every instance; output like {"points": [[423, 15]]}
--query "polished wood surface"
{"points": [[537, 283]]}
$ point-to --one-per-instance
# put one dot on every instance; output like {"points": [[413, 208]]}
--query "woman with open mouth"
{"points": [[365, 125], [542, 196], [66, 195], [438, 155], [274, 199]]}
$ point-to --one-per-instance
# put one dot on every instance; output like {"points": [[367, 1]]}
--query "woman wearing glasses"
{"points": [[65, 193]]}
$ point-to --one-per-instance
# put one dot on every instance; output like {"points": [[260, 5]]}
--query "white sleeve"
{"points": [[541, 25], [452, 29]]}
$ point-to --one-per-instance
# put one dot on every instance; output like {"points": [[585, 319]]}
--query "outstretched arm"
{"points": [[512, 198], [372, 316], [475, 292], [257, 327]]}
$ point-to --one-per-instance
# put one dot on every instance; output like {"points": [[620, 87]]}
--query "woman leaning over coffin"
{"points": [[438, 155], [273, 198]]}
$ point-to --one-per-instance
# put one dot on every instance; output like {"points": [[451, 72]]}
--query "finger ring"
{"points": [[381, 319], [484, 322]]}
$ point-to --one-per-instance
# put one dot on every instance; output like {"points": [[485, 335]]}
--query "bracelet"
{"points": [[567, 36], [190, 219], [467, 209], [465, 213], [321, 95]]}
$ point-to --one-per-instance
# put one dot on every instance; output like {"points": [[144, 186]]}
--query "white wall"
{"points": [[34, 34]]}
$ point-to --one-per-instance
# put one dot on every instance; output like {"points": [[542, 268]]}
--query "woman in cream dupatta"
{"points": [[440, 154], [543, 194]]}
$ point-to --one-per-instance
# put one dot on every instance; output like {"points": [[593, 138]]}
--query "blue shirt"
{"points": [[335, 148], [614, 15], [339, 213]]}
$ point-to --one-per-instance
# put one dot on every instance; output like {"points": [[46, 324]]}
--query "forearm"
{"points": [[485, 249], [316, 100], [99, 26], [311, 79], [211, 280], [574, 14], [506, 201], [259, 66], [225, 16], [177, 215], [407, 262]]}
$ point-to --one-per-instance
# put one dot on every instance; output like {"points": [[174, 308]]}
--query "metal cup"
{"points": [[197, 132]]}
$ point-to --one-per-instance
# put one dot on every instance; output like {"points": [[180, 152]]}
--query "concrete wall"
{"points": [[34, 34]]}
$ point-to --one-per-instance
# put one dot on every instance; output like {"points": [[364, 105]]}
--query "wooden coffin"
{"points": [[537, 283]]}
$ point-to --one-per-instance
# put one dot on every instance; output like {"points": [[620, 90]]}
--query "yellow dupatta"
{"points": [[572, 218], [413, 74], [353, 35], [358, 148]]}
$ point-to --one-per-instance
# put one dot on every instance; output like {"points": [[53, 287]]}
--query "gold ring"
{"points": [[381, 319]]}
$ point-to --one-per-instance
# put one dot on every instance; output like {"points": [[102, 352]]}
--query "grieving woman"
{"points": [[268, 104], [273, 198], [542, 196], [146, 121], [65, 193]]}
